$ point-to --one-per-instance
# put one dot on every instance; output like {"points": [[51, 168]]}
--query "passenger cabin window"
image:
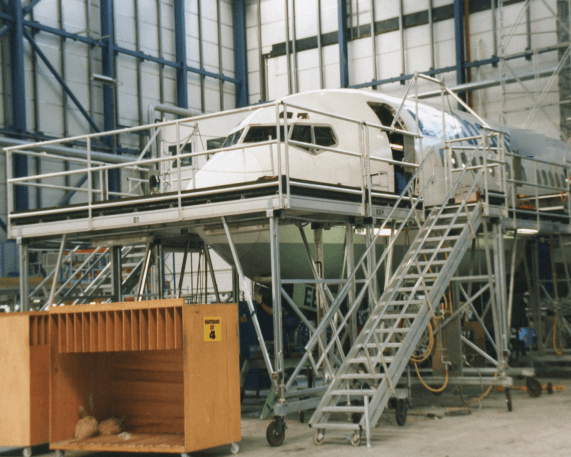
{"points": [[551, 182], [557, 180], [544, 177], [259, 133]]}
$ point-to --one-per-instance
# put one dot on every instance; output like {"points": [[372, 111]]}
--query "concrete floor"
{"points": [[436, 426]]}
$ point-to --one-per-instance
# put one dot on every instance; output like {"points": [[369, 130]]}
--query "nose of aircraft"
{"points": [[229, 167]]}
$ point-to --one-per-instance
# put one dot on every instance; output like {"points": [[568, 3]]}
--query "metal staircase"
{"points": [[379, 355]]}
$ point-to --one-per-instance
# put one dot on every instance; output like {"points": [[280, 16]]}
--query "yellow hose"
{"points": [[432, 389]]}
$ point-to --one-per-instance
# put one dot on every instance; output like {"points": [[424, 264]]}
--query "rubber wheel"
{"points": [[318, 438], [356, 439], [534, 387], [509, 399], [401, 411], [274, 438], [234, 448], [549, 388], [27, 452]]}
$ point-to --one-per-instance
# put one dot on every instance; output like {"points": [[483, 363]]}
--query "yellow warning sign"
{"points": [[212, 329]]}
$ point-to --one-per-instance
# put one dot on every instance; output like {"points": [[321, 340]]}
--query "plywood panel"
{"points": [[39, 394], [211, 368], [15, 381]]}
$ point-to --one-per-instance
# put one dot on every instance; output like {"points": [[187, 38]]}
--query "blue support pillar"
{"points": [[108, 69], [343, 38], [18, 98], [180, 45], [459, 39], [240, 52]]}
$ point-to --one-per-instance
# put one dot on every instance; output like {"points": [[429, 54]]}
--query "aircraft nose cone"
{"points": [[230, 167]]}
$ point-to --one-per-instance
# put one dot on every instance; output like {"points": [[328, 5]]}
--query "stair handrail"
{"points": [[399, 278], [344, 291]]}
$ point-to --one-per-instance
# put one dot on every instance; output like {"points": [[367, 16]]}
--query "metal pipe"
{"points": [[431, 33], [288, 69], [294, 49], [319, 47], [200, 55], [182, 270], [57, 267], [401, 35], [212, 274], [24, 285], [374, 42], [261, 63]]}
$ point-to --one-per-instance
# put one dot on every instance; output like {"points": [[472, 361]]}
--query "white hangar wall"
{"points": [[509, 103]]}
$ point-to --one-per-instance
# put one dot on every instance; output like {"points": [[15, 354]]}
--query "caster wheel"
{"points": [[60, 453], [401, 412], [234, 448], [318, 438], [302, 417], [534, 387], [27, 452], [509, 399], [549, 388], [356, 418], [356, 439], [275, 434]]}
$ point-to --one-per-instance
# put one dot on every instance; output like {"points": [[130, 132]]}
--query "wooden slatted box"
{"points": [[151, 362], [24, 379]]}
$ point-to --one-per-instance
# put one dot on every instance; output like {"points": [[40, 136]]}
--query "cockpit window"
{"points": [[259, 133], [324, 136], [314, 134], [232, 139]]}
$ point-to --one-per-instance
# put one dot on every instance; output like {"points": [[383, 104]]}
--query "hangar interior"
{"points": [[432, 263]]}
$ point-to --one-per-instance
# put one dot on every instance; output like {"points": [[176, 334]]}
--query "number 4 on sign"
{"points": [[212, 329]]}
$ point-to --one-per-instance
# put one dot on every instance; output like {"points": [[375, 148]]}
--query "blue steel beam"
{"points": [[459, 42], [343, 38], [30, 7], [61, 81], [108, 69], [240, 52], [180, 50], [18, 75], [4, 30]]}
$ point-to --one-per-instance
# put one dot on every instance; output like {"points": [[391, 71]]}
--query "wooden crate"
{"points": [[152, 362], [24, 379]]}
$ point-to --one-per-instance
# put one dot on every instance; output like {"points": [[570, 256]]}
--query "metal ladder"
{"points": [[377, 359]]}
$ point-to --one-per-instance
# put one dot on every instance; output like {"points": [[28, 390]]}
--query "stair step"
{"points": [[374, 346], [354, 392], [343, 409], [398, 316], [388, 359], [388, 330], [363, 376], [336, 426], [434, 262], [416, 301], [444, 227], [428, 276], [438, 238], [410, 289], [431, 251]]}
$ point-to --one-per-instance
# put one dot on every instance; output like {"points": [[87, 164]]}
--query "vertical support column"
{"points": [[350, 268], [459, 39], [343, 39], [160, 273], [108, 69], [180, 50], [501, 295], [235, 285], [18, 98], [24, 288], [116, 274], [277, 306], [240, 52]]}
